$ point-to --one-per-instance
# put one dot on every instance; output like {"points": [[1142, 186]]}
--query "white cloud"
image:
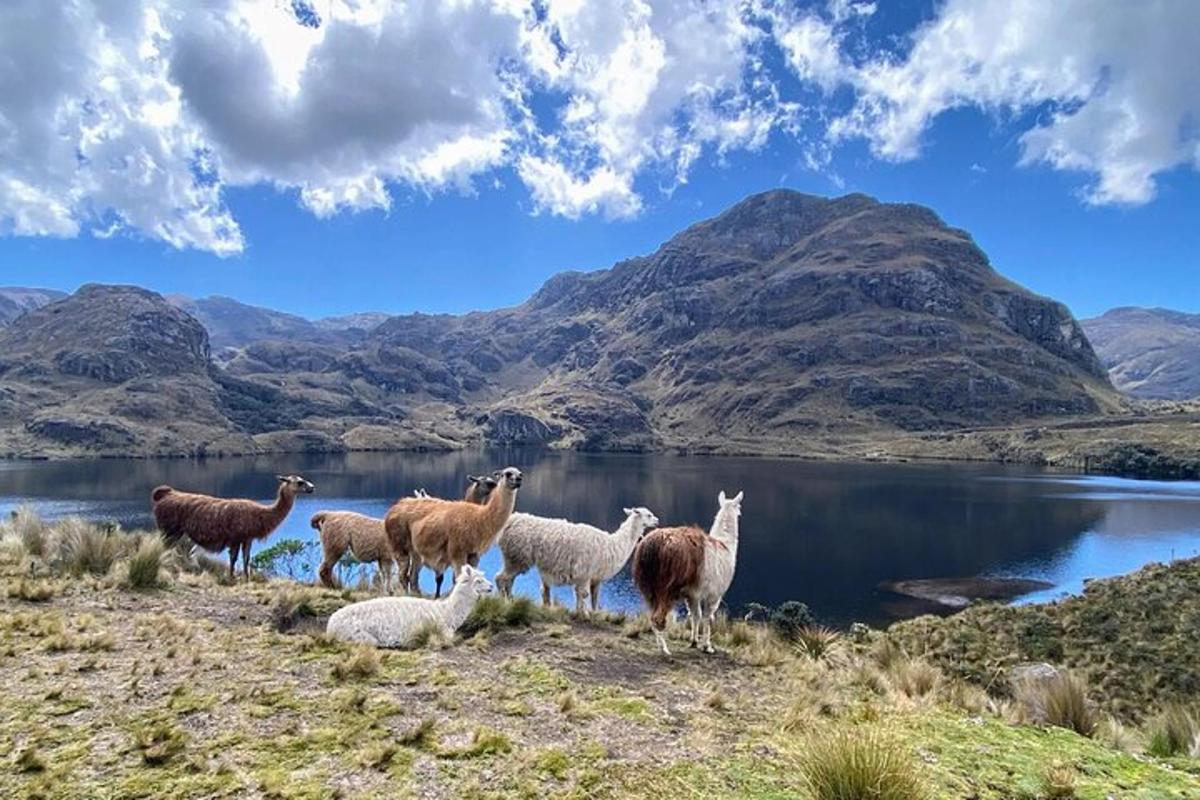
{"points": [[1121, 83], [134, 117]]}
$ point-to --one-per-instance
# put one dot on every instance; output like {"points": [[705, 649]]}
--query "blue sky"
{"points": [[1090, 219]]}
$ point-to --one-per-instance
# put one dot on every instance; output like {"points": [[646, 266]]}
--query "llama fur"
{"points": [[407, 510], [673, 564], [455, 534], [569, 553], [397, 621], [363, 536], [217, 523]]}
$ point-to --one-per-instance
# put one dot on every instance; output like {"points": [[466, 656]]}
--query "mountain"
{"points": [[1149, 352], [231, 323], [16, 300], [789, 323], [110, 369]]}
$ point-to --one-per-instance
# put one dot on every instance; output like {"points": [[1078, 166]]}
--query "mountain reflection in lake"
{"points": [[823, 533]]}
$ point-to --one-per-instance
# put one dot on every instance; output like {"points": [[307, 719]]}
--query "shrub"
{"points": [[789, 618], [1060, 700], [1174, 731], [147, 563], [286, 558], [859, 765], [89, 549], [359, 664]]}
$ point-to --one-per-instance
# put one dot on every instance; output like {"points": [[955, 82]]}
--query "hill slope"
{"points": [[1149, 352], [789, 323], [16, 300]]}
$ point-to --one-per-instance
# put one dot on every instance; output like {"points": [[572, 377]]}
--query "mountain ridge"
{"points": [[788, 323], [1149, 352]]}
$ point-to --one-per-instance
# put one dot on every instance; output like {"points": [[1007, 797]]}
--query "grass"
{"points": [[158, 741], [859, 765], [1060, 700], [817, 641], [1174, 731], [913, 677], [360, 664], [493, 614], [1059, 781], [87, 549], [146, 566], [485, 741], [289, 605]]}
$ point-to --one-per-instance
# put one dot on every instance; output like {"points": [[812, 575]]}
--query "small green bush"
{"points": [[789, 618], [859, 764]]}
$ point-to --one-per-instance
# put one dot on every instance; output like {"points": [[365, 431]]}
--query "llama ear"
{"points": [[474, 479], [738, 499], [281, 478], [629, 511], [721, 497]]}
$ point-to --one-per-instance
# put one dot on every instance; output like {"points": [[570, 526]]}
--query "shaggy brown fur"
{"points": [[216, 523], [666, 564], [363, 536], [458, 533], [407, 510]]}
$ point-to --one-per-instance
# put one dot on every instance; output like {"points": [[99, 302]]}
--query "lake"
{"points": [[823, 533]]}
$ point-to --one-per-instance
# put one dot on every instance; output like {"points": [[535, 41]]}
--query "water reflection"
{"points": [[823, 533]]}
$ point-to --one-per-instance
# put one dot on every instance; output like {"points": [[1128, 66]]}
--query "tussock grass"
{"points": [[158, 741], [430, 636], [31, 590], [87, 549], [817, 642], [484, 742], [764, 649], [31, 760], [1174, 731], [422, 736], [26, 529], [1058, 781], [859, 765], [1060, 700], [289, 605], [913, 677], [147, 564], [967, 697], [493, 614], [361, 663]]}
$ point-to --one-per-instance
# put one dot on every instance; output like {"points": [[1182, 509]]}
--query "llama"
{"points": [[396, 621], [405, 511], [215, 523], [569, 553], [457, 533], [673, 564], [365, 537]]}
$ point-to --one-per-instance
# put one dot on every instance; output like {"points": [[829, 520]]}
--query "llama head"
{"points": [[509, 477], [645, 517], [481, 486], [475, 579], [294, 484], [728, 511]]}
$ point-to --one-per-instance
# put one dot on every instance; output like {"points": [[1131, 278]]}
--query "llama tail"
{"points": [[318, 519], [159, 493]]}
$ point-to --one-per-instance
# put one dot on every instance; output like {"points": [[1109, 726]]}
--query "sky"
{"points": [[331, 156]]}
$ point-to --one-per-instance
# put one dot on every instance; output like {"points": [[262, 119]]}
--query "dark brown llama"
{"points": [[217, 523]]}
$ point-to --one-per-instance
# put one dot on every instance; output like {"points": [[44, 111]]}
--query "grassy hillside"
{"points": [[132, 671]]}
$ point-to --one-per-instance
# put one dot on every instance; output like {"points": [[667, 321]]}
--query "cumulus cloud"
{"points": [[135, 117]]}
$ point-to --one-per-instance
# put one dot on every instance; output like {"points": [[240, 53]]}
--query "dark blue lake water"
{"points": [[823, 533]]}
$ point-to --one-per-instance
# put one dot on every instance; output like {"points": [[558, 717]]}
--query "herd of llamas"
{"points": [[670, 565]]}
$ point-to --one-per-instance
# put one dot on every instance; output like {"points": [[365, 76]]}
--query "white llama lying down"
{"points": [[569, 553], [396, 621]]}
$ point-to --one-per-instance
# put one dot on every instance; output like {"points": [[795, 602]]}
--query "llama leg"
{"points": [[385, 574], [658, 623], [413, 575], [437, 585], [595, 595], [246, 559], [545, 593], [325, 572], [233, 554], [581, 598], [708, 625], [473, 559], [693, 609]]}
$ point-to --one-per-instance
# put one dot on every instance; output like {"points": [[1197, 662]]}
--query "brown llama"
{"points": [[363, 536], [216, 523], [458, 533], [674, 564], [407, 510]]}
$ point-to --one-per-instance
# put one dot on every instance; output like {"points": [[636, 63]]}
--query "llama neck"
{"points": [[459, 604], [497, 511], [284, 501], [619, 545], [725, 529]]}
